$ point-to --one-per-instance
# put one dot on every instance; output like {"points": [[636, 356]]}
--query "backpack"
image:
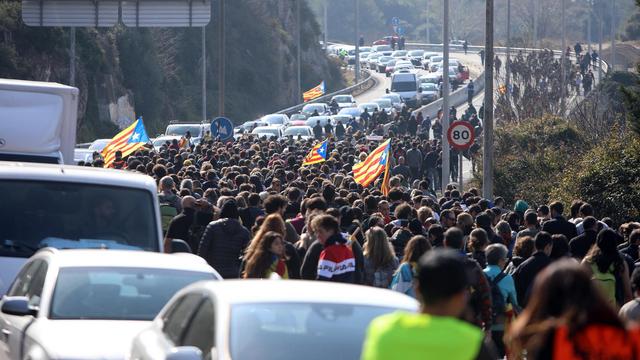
{"points": [[167, 212], [498, 304]]}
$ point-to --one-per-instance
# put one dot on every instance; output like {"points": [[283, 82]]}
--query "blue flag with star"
{"points": [[139, 134]]}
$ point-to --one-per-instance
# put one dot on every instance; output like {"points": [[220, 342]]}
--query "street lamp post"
{"points": [[563, 70], [487, 139], [445, 98], [357, 65]]}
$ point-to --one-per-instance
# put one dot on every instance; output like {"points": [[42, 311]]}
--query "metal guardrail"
{"points": [[368, 81]]}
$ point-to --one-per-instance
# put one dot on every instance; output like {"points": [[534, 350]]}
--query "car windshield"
{"points": [[104, 293], [99, 145], [312, 107], [37, 214], [429, 87], [383, 48], [403, 86], [393, 98], [181, 130], [342, 99], [400, 53], [267, 132], [416, 53], [310, 331], [297, 130]]}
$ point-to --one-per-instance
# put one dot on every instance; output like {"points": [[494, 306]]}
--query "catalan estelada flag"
{"points": [[316, 92], [127, 141], [317, 155], [366, 172]]}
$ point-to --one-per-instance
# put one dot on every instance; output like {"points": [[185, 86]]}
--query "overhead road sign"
{"points": [[166, 13], [106, 13], [75, 13]]}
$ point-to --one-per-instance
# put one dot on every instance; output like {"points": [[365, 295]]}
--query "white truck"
{"points": [[37, 121]]}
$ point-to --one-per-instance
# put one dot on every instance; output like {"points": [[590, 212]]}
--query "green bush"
{"points": [[530, 158], [607, 177]]}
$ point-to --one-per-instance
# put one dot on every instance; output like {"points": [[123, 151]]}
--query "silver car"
{"points": [[267, 320], [90, 304]]}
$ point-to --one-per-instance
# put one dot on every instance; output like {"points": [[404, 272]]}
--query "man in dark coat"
{"points": [[580, 245], [525, 274], [224, 241], [558, 224]]}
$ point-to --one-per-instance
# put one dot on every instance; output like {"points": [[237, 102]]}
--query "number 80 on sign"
{"points": [[460, 135]]}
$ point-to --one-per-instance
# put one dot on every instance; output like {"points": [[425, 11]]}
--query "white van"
{"points": [[66, 207], [37, 121], [407, 85]]}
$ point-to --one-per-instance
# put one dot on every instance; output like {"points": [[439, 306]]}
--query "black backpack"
{"points": [[498, 305]]}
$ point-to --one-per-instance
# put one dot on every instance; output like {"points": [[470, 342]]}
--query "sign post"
{"points": [[461, 136], [222, 128]]}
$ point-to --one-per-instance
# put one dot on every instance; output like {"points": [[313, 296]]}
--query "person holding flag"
{"points": [[375, 164], [317, 155], [125, 143]]}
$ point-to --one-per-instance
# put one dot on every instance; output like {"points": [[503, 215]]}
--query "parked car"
{"points": [[342, 118], [321, 108], [161, 140], [275, 119], [312, 121], [370, 107], [396, 100], [344, 101], [384, 49], [197, 130], [372, 60], [416, 56], [353, 112], [268, 131], [267, 320], [90, 304], [430, 92], [427, 59], [399, 54], [390, 67], [383, 62], [385, 104], [248, 126], [303, 132]]}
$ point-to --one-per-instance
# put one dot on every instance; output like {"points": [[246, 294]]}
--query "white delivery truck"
{"points": [[37, 121]]}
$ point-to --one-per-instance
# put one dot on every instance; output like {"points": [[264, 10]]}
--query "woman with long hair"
{"points": [[403, 278], [568, 318], [380, 260], [266, 257], [608, 268], [274, 222]]}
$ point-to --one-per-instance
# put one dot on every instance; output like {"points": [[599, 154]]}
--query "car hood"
{"points": [[86, 339]]}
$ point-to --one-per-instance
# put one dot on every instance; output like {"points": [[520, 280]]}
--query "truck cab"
{"points": [[66, 207]]}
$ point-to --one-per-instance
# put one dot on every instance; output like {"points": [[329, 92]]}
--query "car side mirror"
{"points": [[387, 91], [184, 353], [18, 306], [180, 246]]}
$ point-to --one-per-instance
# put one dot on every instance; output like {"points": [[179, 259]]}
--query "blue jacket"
{"points": [[507, 288]]}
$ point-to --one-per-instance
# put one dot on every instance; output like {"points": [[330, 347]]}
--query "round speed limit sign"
{"points": [[460, 135]]}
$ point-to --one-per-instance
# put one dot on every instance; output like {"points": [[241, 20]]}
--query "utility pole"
{"points": [[72, 56], [508, 64], [357, 66], [221, 62], [428, 30], [487, 140], [326, 24], [298, 41], [563, 70], [204, 73], [536, 9], [613, 34], [601, 21], [445, 98], [589, 26]]}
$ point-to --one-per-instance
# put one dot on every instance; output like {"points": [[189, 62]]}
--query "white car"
{"points": [[385, 104], [371, 107], [90, 304], [162, 140], [353, 112], [304, 132], [396, 101], [267, 320], [268, 131], [250, 125], [313, 121], [344, 101], [275, 119], [344, 119], [321, 108]]}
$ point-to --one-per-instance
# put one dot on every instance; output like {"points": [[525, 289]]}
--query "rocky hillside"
{"points": [[156, 73]]}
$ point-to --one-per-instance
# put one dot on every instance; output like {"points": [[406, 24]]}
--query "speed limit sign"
{"points": [[460, 135]]}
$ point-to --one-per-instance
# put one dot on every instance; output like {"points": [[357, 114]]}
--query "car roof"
{"points": [[296, 291], [74, 174], [125, 258]]}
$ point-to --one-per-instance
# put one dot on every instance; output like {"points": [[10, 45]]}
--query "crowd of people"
{"points": [[509, 280]]}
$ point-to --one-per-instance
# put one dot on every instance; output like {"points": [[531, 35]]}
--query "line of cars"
{"points": [[300, 125]]}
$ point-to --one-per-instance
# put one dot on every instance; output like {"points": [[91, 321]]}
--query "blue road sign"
{"points": [[400, 31], [223, 128], [395, 21]]}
